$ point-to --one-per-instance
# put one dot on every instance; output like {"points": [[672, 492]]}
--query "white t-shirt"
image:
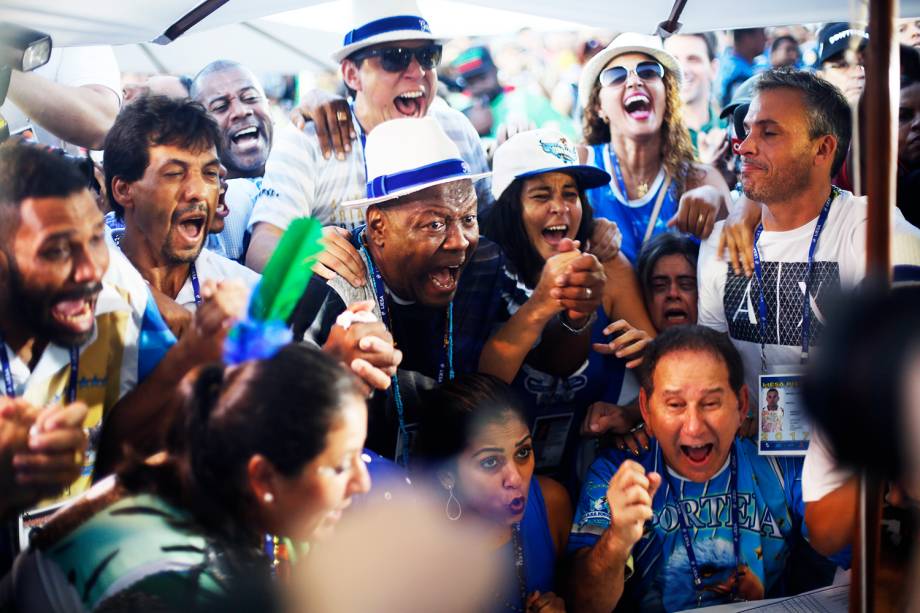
{"points": [[75, 67], [213, 266], [729, 303]]}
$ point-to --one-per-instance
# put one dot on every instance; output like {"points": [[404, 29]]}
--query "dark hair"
{"points": [[827, 109], [692, 338], [455, 411], [745, 32], [32, 171], [780, 40], [147, 122], [910, 65], [666, 243], [855, 389], [710, 40], [281, 408], [504, 224]]}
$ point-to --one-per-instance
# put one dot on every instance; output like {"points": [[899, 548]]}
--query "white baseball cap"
{"points": [[535, 152], [383, 21], [404, 156], [628, 42]]}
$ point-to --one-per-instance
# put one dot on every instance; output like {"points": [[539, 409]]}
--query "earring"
{"points": [[268, 498], [450, 491]]}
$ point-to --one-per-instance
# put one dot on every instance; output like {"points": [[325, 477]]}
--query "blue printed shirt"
{"points": [[771, 513]]}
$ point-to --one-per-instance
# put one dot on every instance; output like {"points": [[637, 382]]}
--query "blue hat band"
{"points": [[387, 24], [398, 181]]}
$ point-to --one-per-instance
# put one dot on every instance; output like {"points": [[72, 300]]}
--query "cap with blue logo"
{"points": [[536, 152]]}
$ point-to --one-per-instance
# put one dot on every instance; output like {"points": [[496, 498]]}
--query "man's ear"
{"points": [[376, 225], [351, 74], [644, 410], [744, 403], [121, 191], [826, 150]]}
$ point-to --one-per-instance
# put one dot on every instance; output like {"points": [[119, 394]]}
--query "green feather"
{"points": [[288, 271]]}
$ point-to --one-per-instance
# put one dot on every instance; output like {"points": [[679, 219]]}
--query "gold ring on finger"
{"points": [[341, 116]]}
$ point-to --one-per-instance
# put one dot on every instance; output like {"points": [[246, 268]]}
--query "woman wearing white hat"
{"points": [[634, 129], [539, 189]]}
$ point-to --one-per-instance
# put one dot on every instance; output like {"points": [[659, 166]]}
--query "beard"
{"points": [[785, 184], [34, 308]]}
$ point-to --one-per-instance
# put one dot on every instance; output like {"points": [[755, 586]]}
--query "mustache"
{"points": [[87, 290], [196, 207]]}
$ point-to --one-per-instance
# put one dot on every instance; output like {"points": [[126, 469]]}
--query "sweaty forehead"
{"points": [[456, 196], [41, 217], [223, 82]]}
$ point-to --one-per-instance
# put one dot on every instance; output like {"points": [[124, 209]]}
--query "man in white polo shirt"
{"points": [[389, 60], [162, 176]]}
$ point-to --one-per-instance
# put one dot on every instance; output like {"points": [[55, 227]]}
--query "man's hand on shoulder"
{"points": [[331, 116]]}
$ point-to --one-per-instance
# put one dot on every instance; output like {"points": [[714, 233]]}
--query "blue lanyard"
{"points": [[617, 173], [193, 273], [806, 307], [446, 365], [8, 373], [685, 530]]}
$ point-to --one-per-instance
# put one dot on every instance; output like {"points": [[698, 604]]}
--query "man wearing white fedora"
{"points": [[440, 289], [389, 62]]}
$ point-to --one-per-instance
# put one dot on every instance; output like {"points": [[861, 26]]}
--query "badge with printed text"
{"points": [[550, 434], [784, 426]]}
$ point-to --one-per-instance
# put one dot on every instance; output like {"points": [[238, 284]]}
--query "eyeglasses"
{"points": [[397, 59], [647, 70]]}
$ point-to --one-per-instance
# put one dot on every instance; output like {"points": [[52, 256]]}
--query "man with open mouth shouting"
{"points": [[389, 62], [234, 97], [440, 289], [162, 174], [77, 328], [704, 517]]}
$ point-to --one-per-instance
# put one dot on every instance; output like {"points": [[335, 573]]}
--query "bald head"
{"points": [[234, 97]]}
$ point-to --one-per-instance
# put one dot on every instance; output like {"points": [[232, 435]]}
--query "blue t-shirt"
{"points": [[771, 512], [631, 216], [556, 405], [539, 554]]}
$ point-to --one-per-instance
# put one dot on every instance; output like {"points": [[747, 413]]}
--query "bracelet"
{"points": [[568, 326]]}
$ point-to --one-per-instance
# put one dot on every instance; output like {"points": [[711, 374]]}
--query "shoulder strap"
{"points": [[656, 211]]}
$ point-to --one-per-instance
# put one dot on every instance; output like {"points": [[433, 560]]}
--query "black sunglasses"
{"points": [[397, 59], [616, 75]]}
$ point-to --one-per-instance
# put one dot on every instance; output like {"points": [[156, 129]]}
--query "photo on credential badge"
{"points": [[784, 427]]}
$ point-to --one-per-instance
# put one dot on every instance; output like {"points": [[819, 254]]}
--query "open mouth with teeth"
{"points": [[697, 455], [445, 279], [75, 313], [222, 209], [410, 104], [676, 316], [554, 234], [246, 138], [192, 228], [638, 106]]}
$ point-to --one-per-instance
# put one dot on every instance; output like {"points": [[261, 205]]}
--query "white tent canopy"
{"points": [[117, 22]]}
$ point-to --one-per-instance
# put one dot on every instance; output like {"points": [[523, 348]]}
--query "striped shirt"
{"points": [[300, 182]]}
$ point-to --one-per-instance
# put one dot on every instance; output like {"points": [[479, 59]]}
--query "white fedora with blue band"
{"points": [[404, 156], [383, 21], [536, 152]]}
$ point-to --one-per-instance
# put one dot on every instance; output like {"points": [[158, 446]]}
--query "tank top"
{"points": [[631, 216]]}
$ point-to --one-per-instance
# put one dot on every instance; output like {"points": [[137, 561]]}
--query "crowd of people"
{"points": [[586, 333]]}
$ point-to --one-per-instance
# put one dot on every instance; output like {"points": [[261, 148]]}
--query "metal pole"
{"points": [[880, 151]]}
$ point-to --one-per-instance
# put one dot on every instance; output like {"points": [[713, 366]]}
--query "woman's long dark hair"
{"points": [[504, 224], [455, 411], [281, 408]]}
